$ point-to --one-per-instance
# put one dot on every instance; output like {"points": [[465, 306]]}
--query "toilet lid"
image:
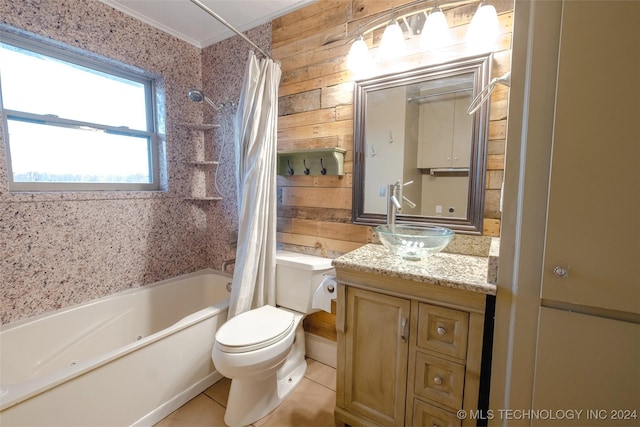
{"points": [[254, 329]]}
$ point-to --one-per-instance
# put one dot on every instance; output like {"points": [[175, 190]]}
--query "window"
{"points": [[74, 122]]}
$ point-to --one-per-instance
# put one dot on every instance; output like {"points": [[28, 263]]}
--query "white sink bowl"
{"points": [[414, 243]]}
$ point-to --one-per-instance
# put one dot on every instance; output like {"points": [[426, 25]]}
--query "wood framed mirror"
{"points": [[414, 126]]}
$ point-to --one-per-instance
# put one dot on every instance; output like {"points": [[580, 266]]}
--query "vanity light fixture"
{"points": [[484, 27], [435, 33], [481, 35], [359, 58], [392, 44]]}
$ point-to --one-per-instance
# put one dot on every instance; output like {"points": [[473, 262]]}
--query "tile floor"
{"points": [[310, 404]]}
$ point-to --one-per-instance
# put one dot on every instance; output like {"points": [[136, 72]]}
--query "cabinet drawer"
{"points": [[429, 416], [443, 330], [439, 380]]}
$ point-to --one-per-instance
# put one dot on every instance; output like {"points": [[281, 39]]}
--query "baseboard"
{"points": [[321, 349]]}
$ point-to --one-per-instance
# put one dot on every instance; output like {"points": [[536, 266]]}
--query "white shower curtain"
{"points": [[255, 145]]}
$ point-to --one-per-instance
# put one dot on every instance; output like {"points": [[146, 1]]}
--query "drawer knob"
{"points": [[560, 271], [437, 380], [441, 330]]}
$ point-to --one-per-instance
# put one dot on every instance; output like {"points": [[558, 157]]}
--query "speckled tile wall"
{"points": [[223, 66], [61, 249]]}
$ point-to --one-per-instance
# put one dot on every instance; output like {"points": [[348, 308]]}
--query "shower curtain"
{"points": [[255, 146]]}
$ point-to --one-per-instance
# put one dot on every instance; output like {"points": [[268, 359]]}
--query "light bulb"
{"points": [[359, 59], [484, 28], [392, 43], [435, 33]]}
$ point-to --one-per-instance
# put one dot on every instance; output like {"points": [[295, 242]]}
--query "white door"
{"points": [[588, 353]]}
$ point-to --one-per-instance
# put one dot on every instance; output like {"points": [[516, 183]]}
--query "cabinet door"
{"points": [[445, 133], [436, 134], [587, 363], [593, 232], [377, 345], [462, 127]]}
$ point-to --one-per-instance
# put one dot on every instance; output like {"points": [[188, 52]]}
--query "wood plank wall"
{"points": [[316, 111]]}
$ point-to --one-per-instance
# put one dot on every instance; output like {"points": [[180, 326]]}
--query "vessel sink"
{"points": [[414, 243]]}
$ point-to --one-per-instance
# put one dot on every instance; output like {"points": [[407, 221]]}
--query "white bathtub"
{"points": [[127, 359]]}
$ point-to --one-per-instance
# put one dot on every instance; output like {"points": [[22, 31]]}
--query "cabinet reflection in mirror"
{"points": [[414, 126]]}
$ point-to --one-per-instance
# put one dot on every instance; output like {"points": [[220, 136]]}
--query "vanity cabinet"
{"points": [[409, 353]]}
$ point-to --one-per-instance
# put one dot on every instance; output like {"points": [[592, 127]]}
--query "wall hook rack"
{"points": [[318, 161]]}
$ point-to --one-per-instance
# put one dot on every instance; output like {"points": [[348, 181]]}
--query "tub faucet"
{"points": [[227, 263], [394, 202]]}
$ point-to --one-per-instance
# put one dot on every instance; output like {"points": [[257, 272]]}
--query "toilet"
{"points": [[262, 350]]}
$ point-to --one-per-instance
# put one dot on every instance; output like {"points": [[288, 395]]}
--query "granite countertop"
{"points": [[444, 269]]}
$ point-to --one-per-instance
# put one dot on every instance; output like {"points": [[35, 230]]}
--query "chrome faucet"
{"points": [[394, 202]]}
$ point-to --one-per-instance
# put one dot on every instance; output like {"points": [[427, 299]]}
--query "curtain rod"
{"points": [[229, 26]]}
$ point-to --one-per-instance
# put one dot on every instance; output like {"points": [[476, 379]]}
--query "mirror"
{"points": [[414, 126]]}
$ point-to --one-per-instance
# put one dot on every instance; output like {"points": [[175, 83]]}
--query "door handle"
{"points": [[404, 333]]}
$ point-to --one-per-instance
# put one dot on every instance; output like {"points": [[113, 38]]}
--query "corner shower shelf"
{"points": [[204, 199], [317, 161], [201, 168], [198, 126], [204, 163]]}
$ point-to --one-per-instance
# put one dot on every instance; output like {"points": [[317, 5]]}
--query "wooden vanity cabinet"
{"points": [[409, 354]]}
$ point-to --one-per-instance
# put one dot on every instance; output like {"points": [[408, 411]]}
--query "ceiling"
{"points": [[190, 23]]}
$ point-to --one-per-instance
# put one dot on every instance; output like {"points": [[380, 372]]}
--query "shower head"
{"points": [[196, 95]]}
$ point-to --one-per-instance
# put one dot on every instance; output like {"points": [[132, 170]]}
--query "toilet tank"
{"points": [[297, 278]]}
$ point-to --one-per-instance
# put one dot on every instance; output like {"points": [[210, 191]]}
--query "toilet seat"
{"points": [[254, 329]]}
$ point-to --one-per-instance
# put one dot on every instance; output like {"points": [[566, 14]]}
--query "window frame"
{"points": [[103, 65]]}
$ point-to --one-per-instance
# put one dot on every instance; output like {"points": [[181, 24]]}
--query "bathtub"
{"points": [[127, 359]]}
